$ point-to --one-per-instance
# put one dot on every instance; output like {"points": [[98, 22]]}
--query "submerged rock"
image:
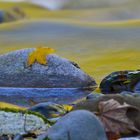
{"points": [[58, 72], [77, 125]]}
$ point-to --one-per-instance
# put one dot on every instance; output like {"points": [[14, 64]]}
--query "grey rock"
{"points": [[77, 125], [20, 122], [58, 72]]}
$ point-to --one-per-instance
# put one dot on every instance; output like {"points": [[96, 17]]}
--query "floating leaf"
{"points": [[39, 55], [113, 116]]}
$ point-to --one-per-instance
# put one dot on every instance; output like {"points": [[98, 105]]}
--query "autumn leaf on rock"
{"points": [[113, 116], [39, 55]]}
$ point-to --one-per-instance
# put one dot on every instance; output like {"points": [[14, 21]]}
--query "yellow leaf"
{"points": [[31, 57], [39, 55], [68, 107]]}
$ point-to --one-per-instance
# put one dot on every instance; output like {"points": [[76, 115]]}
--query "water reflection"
{"points": [[29, 96]]}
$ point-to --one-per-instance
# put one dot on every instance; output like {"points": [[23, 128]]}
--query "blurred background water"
{"points": [[100, 35]]}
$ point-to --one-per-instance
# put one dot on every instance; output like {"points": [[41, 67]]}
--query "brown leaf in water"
{"points": [[113, 116]]}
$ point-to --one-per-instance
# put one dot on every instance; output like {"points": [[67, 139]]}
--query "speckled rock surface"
{"points": [[12, 123], [58, 72]]}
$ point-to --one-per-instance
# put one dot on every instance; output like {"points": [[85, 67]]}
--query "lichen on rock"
{"points": [[21, 122]]}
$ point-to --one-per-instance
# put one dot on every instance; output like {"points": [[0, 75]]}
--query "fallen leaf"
{"points": [[113, 116], [39, 55]]}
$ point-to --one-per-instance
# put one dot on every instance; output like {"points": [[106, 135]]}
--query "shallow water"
{"points": [[30, 96]]}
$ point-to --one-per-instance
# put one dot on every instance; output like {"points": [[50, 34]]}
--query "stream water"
{"points": [[30, 96]]}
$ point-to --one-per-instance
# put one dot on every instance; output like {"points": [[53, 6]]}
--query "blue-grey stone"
{"points": [[77, 125]]}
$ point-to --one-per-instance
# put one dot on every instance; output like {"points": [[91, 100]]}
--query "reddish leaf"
{"points": [[113, 116]]}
